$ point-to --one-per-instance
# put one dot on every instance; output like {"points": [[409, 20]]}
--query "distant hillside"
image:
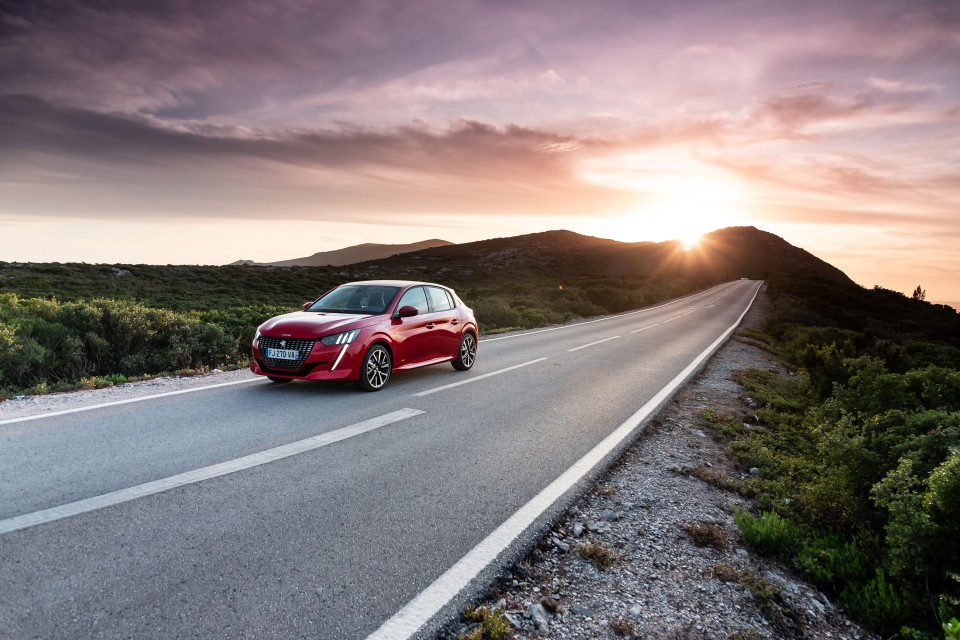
{"points": [[726, 254], [541, 262], [348, 255]]}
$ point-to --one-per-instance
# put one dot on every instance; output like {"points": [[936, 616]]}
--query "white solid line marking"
{"points": [[584, 346], [620, 315], [204, 473], [424, 606], [127, 401], [474, 379], [645, 328]]}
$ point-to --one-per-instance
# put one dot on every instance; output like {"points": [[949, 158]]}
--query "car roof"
{"points": [[394, 283]]}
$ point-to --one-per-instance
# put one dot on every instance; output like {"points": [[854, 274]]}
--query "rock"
{"points": [[636, 611], [608, 515], [754, 471], [514, 621], [577, 530], [120, 272], [581, 611], [698, 432], [539, 616]]}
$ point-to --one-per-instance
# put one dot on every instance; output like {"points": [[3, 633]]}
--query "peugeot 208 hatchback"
{"points": [[364, 331]]}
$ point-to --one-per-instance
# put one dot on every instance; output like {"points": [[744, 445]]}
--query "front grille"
{"points": [[302, 347]]}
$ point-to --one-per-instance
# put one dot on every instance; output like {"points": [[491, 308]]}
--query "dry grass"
{"points": [[623, 628], [606, 490], [598, 555], [706, 534]]}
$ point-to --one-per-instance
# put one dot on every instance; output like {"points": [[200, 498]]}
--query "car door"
{"points": [[412, 341], [445, 333]]}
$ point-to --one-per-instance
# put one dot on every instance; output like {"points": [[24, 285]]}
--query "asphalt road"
{"points": [[334, 539]]}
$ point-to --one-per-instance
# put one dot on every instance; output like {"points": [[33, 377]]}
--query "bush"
{"points": [[878, 603], [769, 533], [44, 342]]}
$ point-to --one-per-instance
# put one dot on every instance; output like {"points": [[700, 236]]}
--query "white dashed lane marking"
{"points": [[204, 473]]}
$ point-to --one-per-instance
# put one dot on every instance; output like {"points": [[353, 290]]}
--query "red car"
{"points": [[364, 331]]}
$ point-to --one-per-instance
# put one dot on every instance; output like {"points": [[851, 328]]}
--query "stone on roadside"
{"points": [[608, 515], [539, 616]]}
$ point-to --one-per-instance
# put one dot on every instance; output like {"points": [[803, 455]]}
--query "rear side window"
{"points": [[414, 298], [439, 299]]}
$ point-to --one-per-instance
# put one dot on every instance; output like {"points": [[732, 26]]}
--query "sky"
{"points": [[182, 132]]}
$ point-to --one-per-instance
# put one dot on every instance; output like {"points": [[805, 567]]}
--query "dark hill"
{"points": [[734, 252], [603, 275], [348, 255]]}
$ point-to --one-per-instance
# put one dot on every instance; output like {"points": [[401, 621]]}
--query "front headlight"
{"points": [[341, 338], [256, 336]]}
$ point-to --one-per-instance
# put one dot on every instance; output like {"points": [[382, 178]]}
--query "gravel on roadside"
{"points": [[25, 405], [653, 551]]}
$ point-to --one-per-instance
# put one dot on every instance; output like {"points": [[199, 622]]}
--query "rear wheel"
{"points": [[467, 354], [375, 369], [279, 380]]}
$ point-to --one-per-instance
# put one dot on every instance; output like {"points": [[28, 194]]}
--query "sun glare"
{"points": [[679, 198]]}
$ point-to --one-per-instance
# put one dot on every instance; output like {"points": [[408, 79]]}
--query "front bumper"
{"points": [[339, 362]]}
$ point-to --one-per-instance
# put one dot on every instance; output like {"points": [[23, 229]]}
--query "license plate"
{"points": [[283, 354]]}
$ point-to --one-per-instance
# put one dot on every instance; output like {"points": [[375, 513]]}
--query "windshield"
{"points": [[369, 299]]}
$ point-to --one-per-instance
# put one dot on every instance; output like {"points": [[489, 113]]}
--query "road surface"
{"points": [[315, 510]]}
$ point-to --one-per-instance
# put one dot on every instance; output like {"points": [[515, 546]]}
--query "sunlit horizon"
{"points": [[830, 125]]}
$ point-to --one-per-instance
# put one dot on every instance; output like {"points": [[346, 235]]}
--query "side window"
{"points": [[439, 299], [415, 298]]}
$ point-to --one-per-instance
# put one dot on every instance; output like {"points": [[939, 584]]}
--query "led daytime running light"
{"points": [[341, 338]]}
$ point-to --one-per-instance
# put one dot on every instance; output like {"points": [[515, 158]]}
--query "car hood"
{"points": [[307, 324]]}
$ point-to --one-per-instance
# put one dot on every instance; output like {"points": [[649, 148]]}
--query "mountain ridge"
{"points": [[348, 255], [724, 254]]}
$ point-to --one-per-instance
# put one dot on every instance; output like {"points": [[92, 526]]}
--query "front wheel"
{"points": [[375, 369], [467, 353]]}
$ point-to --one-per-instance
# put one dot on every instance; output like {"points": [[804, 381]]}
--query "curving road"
{"points": [[318, 511]]}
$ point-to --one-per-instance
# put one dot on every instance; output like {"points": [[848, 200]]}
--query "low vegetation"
{"points": [[858, 451], [596, 554], [489, 624], [65, 326]]}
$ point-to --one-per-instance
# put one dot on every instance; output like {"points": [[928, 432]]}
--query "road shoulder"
{"points": [[678, 567]]}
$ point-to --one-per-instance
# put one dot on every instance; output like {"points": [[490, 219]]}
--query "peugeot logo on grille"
{"points": [[283, 344]]}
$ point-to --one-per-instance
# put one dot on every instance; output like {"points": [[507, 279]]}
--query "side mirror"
{"points": [[306, 305], [407, 312]]}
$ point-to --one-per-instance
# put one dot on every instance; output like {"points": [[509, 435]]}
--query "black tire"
{"points": [[466, 353], [375, 369], [279, 380]]}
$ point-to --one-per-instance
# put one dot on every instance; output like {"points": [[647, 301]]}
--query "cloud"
{"points": [[464, 167], [899, 86]]}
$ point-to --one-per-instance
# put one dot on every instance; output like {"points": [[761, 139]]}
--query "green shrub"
{"points": [[878, 603], [769, 533], [830, 560]]}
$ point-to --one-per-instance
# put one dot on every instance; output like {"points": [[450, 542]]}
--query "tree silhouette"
{"points": [[919, 293]]}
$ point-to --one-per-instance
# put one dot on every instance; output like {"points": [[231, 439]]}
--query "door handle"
{"points": [[454, 322], [430, 325]]}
